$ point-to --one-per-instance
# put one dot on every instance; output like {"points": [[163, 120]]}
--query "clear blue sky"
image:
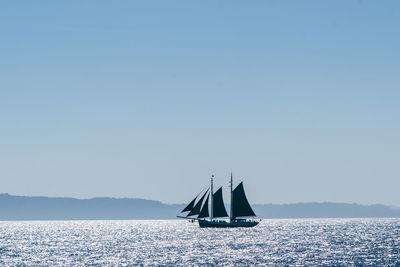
{"points": [[300, 99]]}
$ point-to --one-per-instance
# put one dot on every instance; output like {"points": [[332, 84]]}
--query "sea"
{"points": [[274, 242]]}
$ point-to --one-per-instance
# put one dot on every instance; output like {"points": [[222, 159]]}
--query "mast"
{"points": [[212, 197], [231, 217]]}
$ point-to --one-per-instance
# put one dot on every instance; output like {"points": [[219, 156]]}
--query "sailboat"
{"points": [[240, 208]]}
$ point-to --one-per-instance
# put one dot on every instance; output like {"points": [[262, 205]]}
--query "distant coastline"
{"points": [[105, 208]]}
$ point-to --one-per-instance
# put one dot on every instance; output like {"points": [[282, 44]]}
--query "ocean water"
{"points": [[299, 242]]}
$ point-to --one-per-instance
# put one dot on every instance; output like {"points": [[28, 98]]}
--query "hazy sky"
{"points": [[300, 99]]}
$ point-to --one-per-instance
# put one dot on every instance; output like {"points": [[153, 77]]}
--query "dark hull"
{"points": [[223, 224]]}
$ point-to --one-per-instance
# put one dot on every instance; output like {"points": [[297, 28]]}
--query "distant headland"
{"points": [[105, 208]]}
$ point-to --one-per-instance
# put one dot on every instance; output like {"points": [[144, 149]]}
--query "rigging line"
{"points": [[205, 188]]}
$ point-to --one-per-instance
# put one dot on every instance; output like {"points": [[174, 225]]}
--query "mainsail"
{"points": [[218, 205], [204, 210], [197, 207], [240, 204]]}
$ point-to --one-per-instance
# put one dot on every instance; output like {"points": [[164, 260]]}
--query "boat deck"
{"points": [[226, 224]]}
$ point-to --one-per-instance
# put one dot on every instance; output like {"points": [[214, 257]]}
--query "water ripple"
{"points": [[316, 242]]}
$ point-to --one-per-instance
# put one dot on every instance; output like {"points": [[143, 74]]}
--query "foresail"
{"points": [[241, 206], [197, 207], [190, 206], [218, 205], [204, 210]]}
